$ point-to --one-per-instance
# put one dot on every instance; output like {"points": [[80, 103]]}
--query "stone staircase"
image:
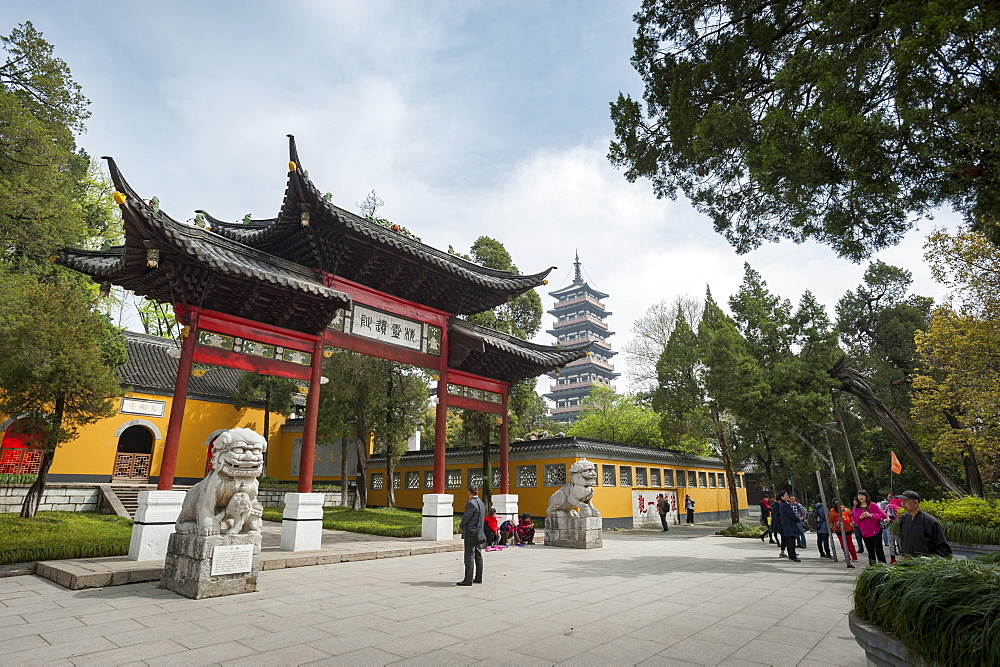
{"points": [[123, 499]]}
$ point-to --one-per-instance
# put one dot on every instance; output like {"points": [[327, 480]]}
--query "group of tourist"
{"points": [[867, 522]]}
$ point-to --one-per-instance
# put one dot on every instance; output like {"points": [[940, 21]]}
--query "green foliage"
{"points": [[613, 418], [8, 478], [58, 353], [680, 393], [385, 521], [945, 611], [965, 533], [268, 482], [969, 510], [58, 535], [742, 530], [272, 394], [837, 121]]}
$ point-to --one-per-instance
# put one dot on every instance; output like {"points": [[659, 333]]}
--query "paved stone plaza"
{"points": [[645, 598]]}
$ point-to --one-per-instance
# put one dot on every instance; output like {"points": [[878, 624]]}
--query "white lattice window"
{"points": [[681, 479], [702, 482], [722, 480], [413, 480], [608, 473], [527, 476], [625, 475], [396, 481], [476, 477], [640, 477], [378, 481], [555, 474], [711, 480], [496, 478], [739, 481], [453, 479], [654, 477], [668, 478], [692, 479], [428, 479]]}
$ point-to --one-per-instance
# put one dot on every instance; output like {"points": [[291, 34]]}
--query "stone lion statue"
{"points": [[576, 493], [225, 502]]}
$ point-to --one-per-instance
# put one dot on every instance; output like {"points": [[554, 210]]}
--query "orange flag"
{"points": [[895, 466]]}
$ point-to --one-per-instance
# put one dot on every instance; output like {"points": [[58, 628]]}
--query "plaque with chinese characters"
{"points": [[232, 559], [386, 328]]}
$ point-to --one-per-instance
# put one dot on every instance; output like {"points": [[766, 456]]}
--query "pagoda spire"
{"points": [[577, 277]]}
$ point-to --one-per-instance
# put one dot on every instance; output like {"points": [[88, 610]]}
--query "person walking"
{"points": [[867, 516], [857, 533], [894, 510], [662, 507], [822, 531], [473, 535], [841, 523], [800, 512], [765, 518], [789, 526], [689, 508], [776, 524], [920, 534]]}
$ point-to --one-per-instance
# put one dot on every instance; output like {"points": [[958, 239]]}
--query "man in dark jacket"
{"points": [[776, 524], [920, 533], [789, 526], [473, 535]]}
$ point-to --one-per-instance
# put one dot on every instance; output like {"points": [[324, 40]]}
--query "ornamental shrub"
{"points": [[945, 611], [968, 510]]}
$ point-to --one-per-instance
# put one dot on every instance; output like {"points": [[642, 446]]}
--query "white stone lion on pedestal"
{"points": [[576, 493], [225, 502]]}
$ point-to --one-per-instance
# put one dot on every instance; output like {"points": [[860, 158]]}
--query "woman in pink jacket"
{"points": [[866, 517]]}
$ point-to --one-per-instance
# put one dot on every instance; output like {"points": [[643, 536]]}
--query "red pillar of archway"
{"points": [[307, 454], [504, 475], [168, 462], [441, 417]]}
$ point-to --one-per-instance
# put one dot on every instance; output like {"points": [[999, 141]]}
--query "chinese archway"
{"points": [[274, 296]]}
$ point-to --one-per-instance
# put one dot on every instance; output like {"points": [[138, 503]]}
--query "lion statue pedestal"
{"points": [[215, 549], [571, 519]]}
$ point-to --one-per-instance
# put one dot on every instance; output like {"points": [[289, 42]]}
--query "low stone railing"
{"points": [[66, 497]]}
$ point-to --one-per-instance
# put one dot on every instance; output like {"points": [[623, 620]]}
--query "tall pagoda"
{"points": [[580, 317]]}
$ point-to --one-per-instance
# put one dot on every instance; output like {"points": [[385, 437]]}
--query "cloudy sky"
{"points": [[467, 118]]}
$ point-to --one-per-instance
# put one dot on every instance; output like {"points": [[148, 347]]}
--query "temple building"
{"points": [[580, 317]]}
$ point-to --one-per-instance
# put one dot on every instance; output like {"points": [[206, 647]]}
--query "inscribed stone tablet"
{"points": [[232, 559]]}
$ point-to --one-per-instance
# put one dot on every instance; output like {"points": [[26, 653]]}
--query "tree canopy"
{"points": [[836, 121], [614, 418]]}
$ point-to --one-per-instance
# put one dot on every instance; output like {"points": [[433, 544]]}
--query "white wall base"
{"points": [[302, 522], [506, 506], [154, 522], [439, 517]]}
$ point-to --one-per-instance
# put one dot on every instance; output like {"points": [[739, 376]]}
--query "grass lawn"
{"points": [[57, 535], [371, 521]]}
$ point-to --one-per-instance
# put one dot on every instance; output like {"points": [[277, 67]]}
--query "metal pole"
{"points": [[836, 501], [822, 496]]}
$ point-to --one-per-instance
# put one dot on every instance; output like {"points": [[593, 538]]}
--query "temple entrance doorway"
{"points": [[135, 449]]}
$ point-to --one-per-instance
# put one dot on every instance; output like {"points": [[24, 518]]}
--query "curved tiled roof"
{"points": [[150, 369], [198, 267], [581, 445], [352, 247], [507, 357]]}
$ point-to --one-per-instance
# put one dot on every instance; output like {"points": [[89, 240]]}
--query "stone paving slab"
{"points": [[645, 598], [337, 547]]}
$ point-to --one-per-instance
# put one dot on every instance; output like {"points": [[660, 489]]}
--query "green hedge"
{"points": [[742, 530], [969, 510], [58, 535], [8, 478], [946, 611]]}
